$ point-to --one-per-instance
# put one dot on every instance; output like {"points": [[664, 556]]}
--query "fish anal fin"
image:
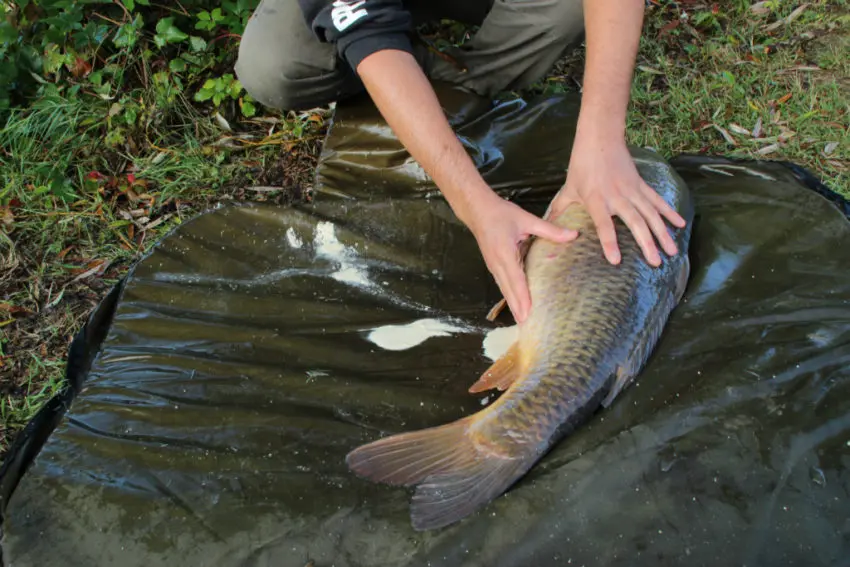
{"points": [[496, 309], [501, 373]]}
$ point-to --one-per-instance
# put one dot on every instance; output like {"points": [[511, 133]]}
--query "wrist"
{"points": [[601, 125], [470, 201]]}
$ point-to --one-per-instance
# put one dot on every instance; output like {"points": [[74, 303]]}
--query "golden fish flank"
{"points": [[592, 327]]}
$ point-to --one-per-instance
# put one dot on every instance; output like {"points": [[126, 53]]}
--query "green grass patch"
{"points": [[765, 83]]}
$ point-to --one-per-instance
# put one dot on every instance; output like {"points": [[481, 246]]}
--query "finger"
{"points": [[640, 230], [656, 223], [545, 229], [514, 289], [662, 206], [605, 229]]}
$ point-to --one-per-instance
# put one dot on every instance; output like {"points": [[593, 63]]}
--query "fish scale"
{"points": [[591, 329]]}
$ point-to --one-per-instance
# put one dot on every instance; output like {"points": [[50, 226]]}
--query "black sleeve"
{"points": [[359, 28]]}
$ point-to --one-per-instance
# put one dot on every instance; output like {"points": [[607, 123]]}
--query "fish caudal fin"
{"points": [[454, 476], [501, 373]]}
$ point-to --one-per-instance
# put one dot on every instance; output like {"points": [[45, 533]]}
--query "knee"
{"points": [[267, 76], [565, 20]]}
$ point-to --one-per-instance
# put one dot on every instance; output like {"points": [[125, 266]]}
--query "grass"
{"points": [[88, 184]]}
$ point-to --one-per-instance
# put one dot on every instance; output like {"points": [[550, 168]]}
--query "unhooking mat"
{"points": [[217, 390]]}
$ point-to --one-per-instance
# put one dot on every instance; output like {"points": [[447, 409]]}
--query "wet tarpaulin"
{"points": [[216, 392]]}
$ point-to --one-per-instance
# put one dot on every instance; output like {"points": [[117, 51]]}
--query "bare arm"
{"points": [[602, 173], [404, 96]]}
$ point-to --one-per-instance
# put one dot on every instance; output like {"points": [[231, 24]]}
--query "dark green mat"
{"points": [[233, 370]]}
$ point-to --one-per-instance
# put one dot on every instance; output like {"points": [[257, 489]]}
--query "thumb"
{"points": [[548, 230]]}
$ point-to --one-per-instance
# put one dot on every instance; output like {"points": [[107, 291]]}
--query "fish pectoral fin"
{"points": [[501, 373], [682, 280], [454, 477], [648, 340], [622, 378]]}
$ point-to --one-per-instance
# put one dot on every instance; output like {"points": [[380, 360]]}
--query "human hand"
{"points": [[603, 177], [500, 227]]}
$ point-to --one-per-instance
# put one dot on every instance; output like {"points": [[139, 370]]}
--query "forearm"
{"points": [[613, 29], [406, 100]]}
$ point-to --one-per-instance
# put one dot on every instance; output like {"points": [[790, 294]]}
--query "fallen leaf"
{"points": [[728, 137], [791, 17], [739, 129], [223, 122], [768, 149], [667, 28], [64, 252], [784, 98], [757, 129], [7, 218], [760, 8], [81, 67], [801, 68], [157, 222], [829, 148], [98, 269]]}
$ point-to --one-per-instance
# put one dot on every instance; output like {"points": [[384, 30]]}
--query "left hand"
{"points": [[603, 177]]}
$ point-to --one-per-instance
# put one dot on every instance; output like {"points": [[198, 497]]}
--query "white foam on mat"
{"points": [[497, 341], [293, 239], [403, 337], [329, 247]]}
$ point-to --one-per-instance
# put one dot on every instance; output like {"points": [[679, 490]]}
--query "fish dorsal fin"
{"points": [[501, 373]]}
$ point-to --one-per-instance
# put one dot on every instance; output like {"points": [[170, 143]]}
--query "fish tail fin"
{"points": [[454, 476]]}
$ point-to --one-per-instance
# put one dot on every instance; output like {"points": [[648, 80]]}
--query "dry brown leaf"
{"points": [[728, 137], [801, 68], [98, 269], [650, 70], [660, 101], [739, 129], [157, 222], [768, 149], [222, 121], [791, 17], [760, 8], [757, 131], [64, 252], [7, 218]]}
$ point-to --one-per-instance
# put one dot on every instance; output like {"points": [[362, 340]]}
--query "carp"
{"points": [[591, 329]]}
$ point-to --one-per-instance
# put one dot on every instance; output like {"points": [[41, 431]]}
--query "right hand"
{"points": [[499, 227]]}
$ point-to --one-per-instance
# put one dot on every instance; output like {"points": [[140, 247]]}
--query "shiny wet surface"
{"points": [[238, 371]]}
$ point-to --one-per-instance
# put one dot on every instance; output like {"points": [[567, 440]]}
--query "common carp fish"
{"points": [[591, 329]]}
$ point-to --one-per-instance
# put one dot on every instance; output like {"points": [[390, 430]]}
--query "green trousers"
{"points": [[282, 65]]}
